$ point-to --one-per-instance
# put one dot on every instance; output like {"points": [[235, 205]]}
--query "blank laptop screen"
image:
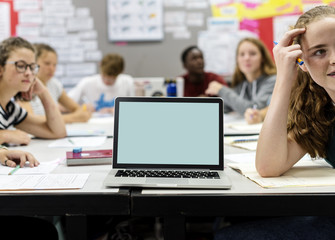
{"points": [[177, 133]]}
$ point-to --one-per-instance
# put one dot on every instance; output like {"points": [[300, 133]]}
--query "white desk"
{"points": [[92, 199], [98, 125], [245, 198]]}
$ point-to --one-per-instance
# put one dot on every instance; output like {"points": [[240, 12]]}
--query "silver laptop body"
{"points": [[180, 137]]}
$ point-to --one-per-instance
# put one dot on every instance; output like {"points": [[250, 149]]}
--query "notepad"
{"points": [[245, 142], [304, 173]]}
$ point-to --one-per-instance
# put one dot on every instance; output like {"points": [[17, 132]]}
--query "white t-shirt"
{"points": [[55, 88], [90, 89]]}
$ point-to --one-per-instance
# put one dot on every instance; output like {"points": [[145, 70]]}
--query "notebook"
{"points": [[168, 142]]}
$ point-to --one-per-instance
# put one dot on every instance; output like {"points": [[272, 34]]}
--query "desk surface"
{"points": [[243, 199], [93, 198]]}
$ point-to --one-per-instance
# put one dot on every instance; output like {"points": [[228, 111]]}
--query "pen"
{"points": [[245, 140], [70, 141], [299, 60], [255, 108], [14, 170]]}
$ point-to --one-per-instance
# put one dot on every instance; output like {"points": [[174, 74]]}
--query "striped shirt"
{"points": [[13, 115]]}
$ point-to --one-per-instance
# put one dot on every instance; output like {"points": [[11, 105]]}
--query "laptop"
{"points": [[168, 142]]}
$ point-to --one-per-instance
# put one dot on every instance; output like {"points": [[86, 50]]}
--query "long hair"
{"points": [[311, 110], [267, 66]]}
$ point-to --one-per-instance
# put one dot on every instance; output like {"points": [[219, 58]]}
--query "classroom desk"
{"points": [[93, 199], [245, 198]]}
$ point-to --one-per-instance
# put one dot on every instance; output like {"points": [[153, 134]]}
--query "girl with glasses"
{"points": [[46, 58], [18, 69]]}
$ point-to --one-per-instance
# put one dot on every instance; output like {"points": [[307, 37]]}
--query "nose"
{"points": [[332, 58], [29, 70]]}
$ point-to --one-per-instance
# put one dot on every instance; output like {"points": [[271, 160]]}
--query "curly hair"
{"points": [[311, 110], [267, 67]]}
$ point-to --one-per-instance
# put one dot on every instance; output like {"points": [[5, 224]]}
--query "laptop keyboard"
{"points": [[168, 174]]}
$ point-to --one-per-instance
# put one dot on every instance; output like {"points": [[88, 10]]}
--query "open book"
{"points": [[304, 173]]}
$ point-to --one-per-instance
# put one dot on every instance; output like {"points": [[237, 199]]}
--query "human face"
{"points": [[249, 60], [15, 81], [48, 63], [195, 62], [318, 47], [108, 80]]}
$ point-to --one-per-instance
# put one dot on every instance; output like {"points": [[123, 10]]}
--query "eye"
{"points": [[21, 65], [319, 52]]}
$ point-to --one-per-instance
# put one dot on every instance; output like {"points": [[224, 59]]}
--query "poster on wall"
{"points": [[5, 23], [140, 20]]}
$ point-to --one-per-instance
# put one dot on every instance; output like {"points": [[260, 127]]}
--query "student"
{"points": [[302, 105], [18, 71], [46, 58], [101, 89], [253, 79], [300, 120], [196, 80]]}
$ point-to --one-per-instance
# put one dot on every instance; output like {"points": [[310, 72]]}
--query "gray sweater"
{"points": [[246, 95]]}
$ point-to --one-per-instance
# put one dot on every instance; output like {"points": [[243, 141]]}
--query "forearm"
{"points": [[233, 101], [54, 120], [272, 157]]}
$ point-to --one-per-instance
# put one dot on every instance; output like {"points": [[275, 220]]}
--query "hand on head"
{"points": [[36, 88]]}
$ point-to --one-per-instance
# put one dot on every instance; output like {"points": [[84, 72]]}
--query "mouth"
{"points": [[26, 81], [332, 74]]}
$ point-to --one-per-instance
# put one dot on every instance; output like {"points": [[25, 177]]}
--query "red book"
{"points": [[92, 157]]}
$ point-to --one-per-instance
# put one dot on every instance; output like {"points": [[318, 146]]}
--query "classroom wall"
{"points": [[143, 59]]}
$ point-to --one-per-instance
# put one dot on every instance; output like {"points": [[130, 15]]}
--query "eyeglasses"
{"points": [[21, 66]]}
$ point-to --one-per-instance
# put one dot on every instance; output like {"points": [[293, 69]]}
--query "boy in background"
{"points": [[100, 90], [196, 79]]}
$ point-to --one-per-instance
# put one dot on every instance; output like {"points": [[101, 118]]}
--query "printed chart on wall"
{"points": [[6, 9], [59, 23], [135, 20]]}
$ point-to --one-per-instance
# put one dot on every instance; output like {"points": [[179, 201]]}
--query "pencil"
{"points": [[14, 170], [299, 60], [70, 141]]}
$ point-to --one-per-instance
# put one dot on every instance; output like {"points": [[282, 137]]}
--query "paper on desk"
{"points": [[304, 173], [43, 182], [245, 142], [232, 117], [79, 142], [251, 156], [43, 168], [72, 132], [243, 126]]}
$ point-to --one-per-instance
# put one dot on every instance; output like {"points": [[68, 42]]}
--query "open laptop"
{"points": [[168, 142]]}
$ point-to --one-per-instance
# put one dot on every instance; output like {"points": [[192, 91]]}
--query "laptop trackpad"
{"points": [[166, 181]]}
